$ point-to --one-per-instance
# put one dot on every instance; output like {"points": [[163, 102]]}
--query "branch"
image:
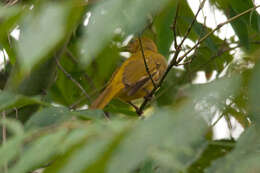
{"points": [[175, 62], [145, 63], [72, 79], [174, 59], [175, 24], [74, 59], [217, 28], [192, 23]]}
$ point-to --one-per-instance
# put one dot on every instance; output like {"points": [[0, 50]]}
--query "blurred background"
{"points": [[57, 56]]}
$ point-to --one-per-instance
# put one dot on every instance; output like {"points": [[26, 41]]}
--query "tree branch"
{"points": [[72, 79], [175, 62], [175, 24], [145, 63]]}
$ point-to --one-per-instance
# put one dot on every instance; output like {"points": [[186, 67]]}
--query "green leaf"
{"points": [[215, 93], [204, 59], [254, 95], [39, 152], [89, 114], [169, 92], [162, 23], [147, 167], [129, 16], [116, 106], [92, 155], [11, 149], [12, 126], [213, 151], [241, 29], [244, 157], [47, 117], [41, 31], [8, 21], [9, 100], [75, 141]]}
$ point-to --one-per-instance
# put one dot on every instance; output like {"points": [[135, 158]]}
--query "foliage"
{"points": [[65, 47]]}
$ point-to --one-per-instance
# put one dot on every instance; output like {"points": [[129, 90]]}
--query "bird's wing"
{"points": [[135, 75]]}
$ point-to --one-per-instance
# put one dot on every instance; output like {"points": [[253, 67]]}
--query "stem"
{"points": [[145, 63], [175, 62], [72, 79]]}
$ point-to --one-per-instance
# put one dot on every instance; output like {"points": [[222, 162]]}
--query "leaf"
{"points": [[147, 167], [162, 23], [56, 115], [171, 90], [215, 93], [104, 64], [248, 155], [8, 21], [39, 152], [152, 133], [165, 137], [204, 59], [11, 149], [89, 114], [74, 141], [126, 15], [9, 100], [52, 21], [241, 29], [41, 31], [242, 25], [47, 117], [116, 106], [213, 151], [12, 126], [254, 95], [92, 155]]}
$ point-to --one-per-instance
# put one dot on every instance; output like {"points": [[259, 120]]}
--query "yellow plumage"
{"points": [[131, 80]]}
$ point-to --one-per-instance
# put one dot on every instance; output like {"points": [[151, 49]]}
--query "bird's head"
{"points": [[147, 44]]}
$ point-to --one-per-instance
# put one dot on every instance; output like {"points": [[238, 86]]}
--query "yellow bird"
{"points": [[131, 80]]}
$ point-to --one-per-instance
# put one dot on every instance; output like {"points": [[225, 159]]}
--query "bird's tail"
{"points": [[105, 97]]}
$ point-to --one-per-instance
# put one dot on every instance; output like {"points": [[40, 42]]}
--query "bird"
{"points": [[132, 80]]}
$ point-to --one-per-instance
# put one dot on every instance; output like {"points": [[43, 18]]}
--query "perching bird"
{"points": [[131, 80]]}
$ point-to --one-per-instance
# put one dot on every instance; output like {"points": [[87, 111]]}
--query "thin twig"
{"points": [[192, 23], [186, 62], [219, 118], [174, 59], [219, 53], [145, 63], [107, 116], [16, 113], [72, 79], [217, 28], [74, 59], [69, 53], [175, 24], [11, 3], [175, 62]]}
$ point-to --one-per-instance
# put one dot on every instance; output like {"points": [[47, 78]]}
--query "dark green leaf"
{"points": [[47, 117], [10, 100]]}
